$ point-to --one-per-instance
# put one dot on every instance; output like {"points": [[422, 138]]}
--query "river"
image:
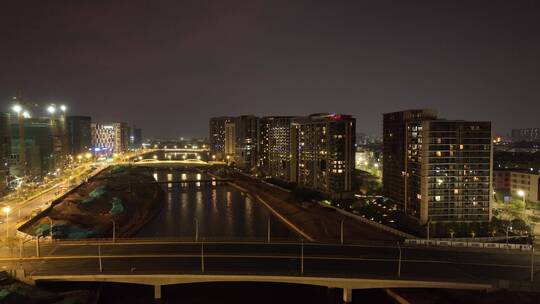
{"points": [[220, 211]]}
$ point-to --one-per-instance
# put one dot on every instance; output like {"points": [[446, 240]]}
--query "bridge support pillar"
{"points": [[157, 292], [347, 295]]}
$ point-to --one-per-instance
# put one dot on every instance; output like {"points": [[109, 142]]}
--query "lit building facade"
{"points": [[79, 134], [230, 141], [274, 151], [525, 185], [323, 153], [246, 132], [42, 147], [110, 138], [217, 136], [446, 172], [395, 152]]}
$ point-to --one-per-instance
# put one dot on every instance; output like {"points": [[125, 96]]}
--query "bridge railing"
{"points": [[468, 244], [221, 240]]}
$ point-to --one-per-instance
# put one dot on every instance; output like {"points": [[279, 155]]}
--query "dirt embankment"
{"points": [[320, 223], [126, 195]]}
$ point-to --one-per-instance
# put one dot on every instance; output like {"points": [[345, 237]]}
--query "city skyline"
{"points": [[259, 57]]}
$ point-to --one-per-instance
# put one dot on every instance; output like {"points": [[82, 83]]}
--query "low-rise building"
{"points": [[110, 138]]}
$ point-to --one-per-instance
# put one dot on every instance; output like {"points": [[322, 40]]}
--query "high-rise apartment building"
{"points": [[230, 141], [323, 153], [135, 137], [395, 152], [217, 137], [527, 135], [110, 138], [315, 152], [79, 134], [438, 170], [246, 128], [42, 146], [274, 152]]}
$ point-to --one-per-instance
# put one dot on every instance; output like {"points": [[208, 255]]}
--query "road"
{"points": [[366, 261], [23, 211]]}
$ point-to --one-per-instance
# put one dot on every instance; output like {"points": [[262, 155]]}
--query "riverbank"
{"points": [[123, 195], [322, 224]]}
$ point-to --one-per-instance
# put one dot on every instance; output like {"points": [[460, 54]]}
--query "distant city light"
{"points": [[25, 114], [63, 108]]}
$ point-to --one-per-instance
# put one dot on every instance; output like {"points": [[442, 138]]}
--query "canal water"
{"points": [[211, 210]]}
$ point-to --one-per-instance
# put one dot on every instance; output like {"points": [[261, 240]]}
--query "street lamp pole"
{"points": [[99, 258], [268, 228], [196, 230], [51, 228], [202, 256], [37, 246], [302, 258], [532, 261], [113, 231], [6, 210], [341, 230], [399, 261], [427, 228]]}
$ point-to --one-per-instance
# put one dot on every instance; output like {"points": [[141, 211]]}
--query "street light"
{"points": [[63, 108], [7, 210], [51, 109], [17, 108], [507, 229], [522, 194]]}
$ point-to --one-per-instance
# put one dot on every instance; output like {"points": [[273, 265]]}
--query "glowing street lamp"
{"points": [[17, 108], [51, 109], [63, 108], [7, 210], [522, 194]]}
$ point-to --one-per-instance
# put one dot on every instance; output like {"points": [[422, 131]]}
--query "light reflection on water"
{"points": [[221, 210]]}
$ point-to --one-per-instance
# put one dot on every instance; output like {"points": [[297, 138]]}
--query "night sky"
{"points": [[168, 66]]}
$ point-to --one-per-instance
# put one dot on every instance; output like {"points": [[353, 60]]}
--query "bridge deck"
{"points": [[161, 263]]}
